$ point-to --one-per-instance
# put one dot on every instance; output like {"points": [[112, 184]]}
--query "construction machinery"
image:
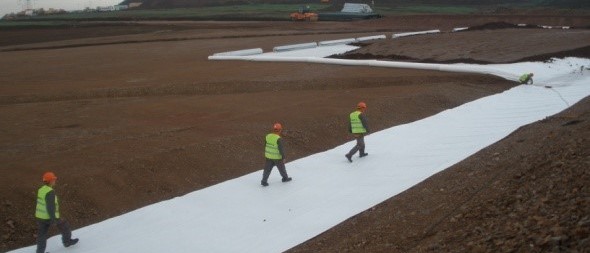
{"points": [[304, 14]]}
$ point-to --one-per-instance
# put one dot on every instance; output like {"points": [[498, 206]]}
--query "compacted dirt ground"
{"points": [[134, 115]]}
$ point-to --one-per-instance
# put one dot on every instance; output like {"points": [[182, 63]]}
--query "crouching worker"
{"points": [[526, 78], [48, 213]]}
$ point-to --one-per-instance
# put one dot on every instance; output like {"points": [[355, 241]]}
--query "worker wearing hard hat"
{"points": [[526, 78], [274, 154], [48, 213], [359, 128]]}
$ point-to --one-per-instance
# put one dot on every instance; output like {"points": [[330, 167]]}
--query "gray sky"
{"points": [[8, 6]]}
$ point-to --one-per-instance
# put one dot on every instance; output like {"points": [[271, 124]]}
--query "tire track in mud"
{"points": [[111, 93], [138, 41], [227, 88]]}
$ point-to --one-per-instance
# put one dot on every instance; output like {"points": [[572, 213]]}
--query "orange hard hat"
{"points": [[49, 177], [361, 105], [277, 127]]}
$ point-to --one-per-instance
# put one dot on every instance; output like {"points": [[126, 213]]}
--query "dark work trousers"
{"points": [[44, 225], [360, 145], [268, 168]]}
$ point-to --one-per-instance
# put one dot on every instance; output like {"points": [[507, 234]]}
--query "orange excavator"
{"points": [[304, 14]]}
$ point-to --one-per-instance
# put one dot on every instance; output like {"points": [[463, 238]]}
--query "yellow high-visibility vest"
{"points": [[41, 212], [271, 151], [355, 123], [524, 78]]}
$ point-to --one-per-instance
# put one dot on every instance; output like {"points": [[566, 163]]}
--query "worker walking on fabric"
{"points": [[275, 155], [359, 128], [48, 213], [526, 78]]}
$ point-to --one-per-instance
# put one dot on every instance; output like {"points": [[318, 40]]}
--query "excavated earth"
{"points": [[131, 113]]}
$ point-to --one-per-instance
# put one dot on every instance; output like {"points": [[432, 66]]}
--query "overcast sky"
{"points": [[8, 6]]}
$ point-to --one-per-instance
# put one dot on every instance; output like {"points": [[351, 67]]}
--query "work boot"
{"points": [[364, 154], [286, 179], [264, 183], [71, 242], [349, 157]]}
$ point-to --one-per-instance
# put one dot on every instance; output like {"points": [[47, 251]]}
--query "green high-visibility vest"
{"points": [[356, 124], [524, 78], [41, 212], [271, 151]]}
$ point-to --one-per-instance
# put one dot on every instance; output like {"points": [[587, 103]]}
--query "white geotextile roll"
{"points": [[295, 47], [243, 52], [334, 42], [377, 37], [375, 63], [460, 29], [397, 35]]}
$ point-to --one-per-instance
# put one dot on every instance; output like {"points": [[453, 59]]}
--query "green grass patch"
{"points": [[426, 9], [235, 12], [31, 24]]}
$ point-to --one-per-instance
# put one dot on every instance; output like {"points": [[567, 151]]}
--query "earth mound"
{"points": [[510, 45]]}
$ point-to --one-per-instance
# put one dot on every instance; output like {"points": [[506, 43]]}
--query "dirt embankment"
{"points": [[535, 44]]}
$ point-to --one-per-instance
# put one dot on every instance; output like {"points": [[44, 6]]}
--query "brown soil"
{"points": [[468, 47], [133, 119]]}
